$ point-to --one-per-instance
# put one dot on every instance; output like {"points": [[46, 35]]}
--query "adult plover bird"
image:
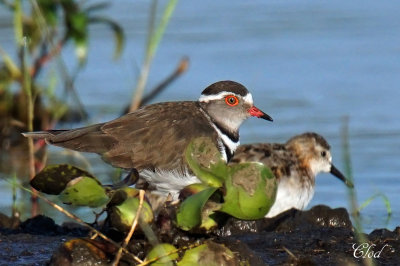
{"points": [[152, 139], [295, 165]]}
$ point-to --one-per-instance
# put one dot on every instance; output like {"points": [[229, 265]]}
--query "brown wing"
{"points": [[86, 139], [273, 155], [155, 136]]}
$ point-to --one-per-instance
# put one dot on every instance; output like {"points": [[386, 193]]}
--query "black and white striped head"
{"points": [[229, 104]]}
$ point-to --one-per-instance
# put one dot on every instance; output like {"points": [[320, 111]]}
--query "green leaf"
{"points": [[95, 7], [117, 30], [206, 162], [250, 191], [165, 252], [84, 191], [77, 24], [13, 69], [18, 23], [48, 9], [53, 179], [209, 253], [157, 35], [189, 213], [121, 214]]}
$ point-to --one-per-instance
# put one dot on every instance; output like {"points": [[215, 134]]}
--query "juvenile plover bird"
{"points": [[295, 164], [153, 139]]}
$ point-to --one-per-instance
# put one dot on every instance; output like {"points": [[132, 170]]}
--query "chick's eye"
{"points": [[231, 100], [323, 153]]}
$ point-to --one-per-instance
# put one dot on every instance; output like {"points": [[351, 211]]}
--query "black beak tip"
{"points": [[267, 117], [334, 171]]}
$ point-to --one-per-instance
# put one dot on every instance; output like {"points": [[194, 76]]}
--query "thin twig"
{"points": [[44, 58], [79, 220], [181, 68], [27, 88], [154, 38], [290, 253], [133, 227]]}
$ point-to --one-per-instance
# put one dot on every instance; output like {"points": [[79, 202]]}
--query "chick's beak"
{"points": [[334, 171], [254, 111]]}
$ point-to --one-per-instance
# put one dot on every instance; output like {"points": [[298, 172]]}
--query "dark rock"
{"points": [[40, 225], [289, 221]]}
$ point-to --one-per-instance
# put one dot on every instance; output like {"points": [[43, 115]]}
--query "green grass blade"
{"points": [[152, 44], [384, 198], [18, 26], [157, 35], [361, 238]]}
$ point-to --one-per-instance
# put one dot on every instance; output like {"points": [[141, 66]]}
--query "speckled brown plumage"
{"points": [[281, 160], [295, 164]]}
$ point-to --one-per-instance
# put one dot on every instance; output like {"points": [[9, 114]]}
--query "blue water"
{"points": [[307, 63]]}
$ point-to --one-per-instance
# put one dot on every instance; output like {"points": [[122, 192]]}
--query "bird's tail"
{"points": [[49, 134], [86, 139]]}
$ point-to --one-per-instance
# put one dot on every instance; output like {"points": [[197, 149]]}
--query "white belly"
{"points": [[291, 194], [169, 182]]}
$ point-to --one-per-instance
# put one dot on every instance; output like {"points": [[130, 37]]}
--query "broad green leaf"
{"points": [[122, 216], [210, 254], [250, 191], [84, 191], [53, 179], [189, 214], [192, 189], [206, 162], [165, 252]]}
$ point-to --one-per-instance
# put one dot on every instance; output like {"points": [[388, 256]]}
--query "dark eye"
{"points": [[231, 100], [323, 153]]}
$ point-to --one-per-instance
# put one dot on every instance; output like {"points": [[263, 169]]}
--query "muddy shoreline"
{"points": [[319, 236]]}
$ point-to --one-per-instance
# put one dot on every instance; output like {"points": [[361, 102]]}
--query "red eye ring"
{"points": [[231, 100]]}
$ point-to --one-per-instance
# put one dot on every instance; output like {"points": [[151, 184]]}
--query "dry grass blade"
{"points": [[290, 253], [79, 220], [133, 227], [179, 70]]}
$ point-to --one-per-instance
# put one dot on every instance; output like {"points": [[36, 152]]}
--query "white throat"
{"points": [[223, 139]]}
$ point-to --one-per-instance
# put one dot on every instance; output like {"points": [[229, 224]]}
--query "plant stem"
{"points": [[27, 88], [153, 41], [360, 236]]}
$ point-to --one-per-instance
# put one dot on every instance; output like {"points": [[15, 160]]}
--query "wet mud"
{"points": [[318, 236]]}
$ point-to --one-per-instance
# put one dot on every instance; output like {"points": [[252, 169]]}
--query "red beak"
{"points": [[254, 111]]}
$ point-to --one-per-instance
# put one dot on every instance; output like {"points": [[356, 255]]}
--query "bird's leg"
{"points": [[130, 179]]}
